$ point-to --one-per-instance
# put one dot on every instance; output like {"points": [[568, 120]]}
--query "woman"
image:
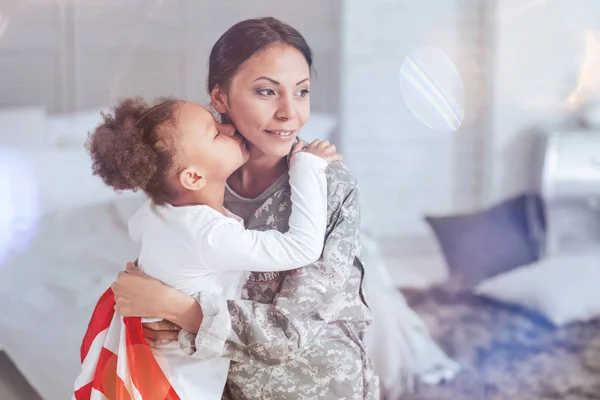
{"points": [[298, 334]]}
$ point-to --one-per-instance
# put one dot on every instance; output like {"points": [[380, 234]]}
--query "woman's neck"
{"points": [[257, 174]]}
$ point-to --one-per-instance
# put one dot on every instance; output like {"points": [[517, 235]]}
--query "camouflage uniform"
{"points": [[296, 334]]}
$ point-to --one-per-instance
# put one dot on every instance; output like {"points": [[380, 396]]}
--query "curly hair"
{"points": [[135, 147]]}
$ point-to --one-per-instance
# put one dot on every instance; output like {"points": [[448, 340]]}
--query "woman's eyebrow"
{"points": [[273, 81]]}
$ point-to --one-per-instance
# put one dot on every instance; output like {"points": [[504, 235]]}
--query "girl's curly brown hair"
{"points": [[135, 147]]}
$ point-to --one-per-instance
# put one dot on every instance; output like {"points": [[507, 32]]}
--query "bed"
{"points": [[506, 352], [48, 292]]}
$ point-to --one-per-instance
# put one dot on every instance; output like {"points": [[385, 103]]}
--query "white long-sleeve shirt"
{"points": [[197, 249]]}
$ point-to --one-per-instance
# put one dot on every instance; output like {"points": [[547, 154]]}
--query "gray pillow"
{"points": [[483, 244]]}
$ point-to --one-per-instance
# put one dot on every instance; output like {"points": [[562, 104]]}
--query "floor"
{"points": [[12, 384]]}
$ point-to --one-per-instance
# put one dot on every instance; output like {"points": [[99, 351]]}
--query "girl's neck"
{"points": [[257, 174], [211, 196]]}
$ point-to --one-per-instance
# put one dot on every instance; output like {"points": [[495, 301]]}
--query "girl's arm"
{"points": [[225, 244], [242, 329]]}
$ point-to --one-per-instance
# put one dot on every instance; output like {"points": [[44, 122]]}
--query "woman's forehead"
{"points": [[279, 62]]}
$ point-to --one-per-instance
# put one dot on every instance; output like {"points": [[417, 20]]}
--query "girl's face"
{"points": [[268, 99], [209, 149]]}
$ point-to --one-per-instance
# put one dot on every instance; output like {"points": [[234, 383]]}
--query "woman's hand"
{"points": [[138, 295]]}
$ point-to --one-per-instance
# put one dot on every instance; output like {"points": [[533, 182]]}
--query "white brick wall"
{"points": [[72, 54], [538, 52], [404, 168], [32, 55]]}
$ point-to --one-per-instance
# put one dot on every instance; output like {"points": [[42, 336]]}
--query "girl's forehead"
{"points": [[192, 114]]}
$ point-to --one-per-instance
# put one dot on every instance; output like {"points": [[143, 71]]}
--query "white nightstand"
{"points": [[571, 191]]}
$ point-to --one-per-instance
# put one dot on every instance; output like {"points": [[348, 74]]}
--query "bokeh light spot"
{"points": [[4, 23], [433, 89], [19, 204]]}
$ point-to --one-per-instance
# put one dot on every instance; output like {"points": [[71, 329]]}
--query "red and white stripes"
{"points": [[117, 362]]}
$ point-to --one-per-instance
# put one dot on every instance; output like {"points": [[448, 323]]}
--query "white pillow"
{"points": [[562, 288], [71, 129], [60, 179], [22, 126]]}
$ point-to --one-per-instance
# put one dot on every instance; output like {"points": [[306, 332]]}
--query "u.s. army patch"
{"points": [[263, 277]]}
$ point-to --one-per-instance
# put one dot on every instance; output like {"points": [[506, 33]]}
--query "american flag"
{"points": [[117, 362]]}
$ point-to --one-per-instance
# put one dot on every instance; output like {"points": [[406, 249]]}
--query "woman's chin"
{"points": [[281, 149]]}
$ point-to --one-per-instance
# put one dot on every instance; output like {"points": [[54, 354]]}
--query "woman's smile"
{"points": [[282, 134]]}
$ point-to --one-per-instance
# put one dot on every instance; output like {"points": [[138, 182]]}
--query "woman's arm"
{"points": [[238, 329], [138, 295]]}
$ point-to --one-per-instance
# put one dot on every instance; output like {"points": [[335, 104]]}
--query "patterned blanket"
{"points": [[508, 353]]}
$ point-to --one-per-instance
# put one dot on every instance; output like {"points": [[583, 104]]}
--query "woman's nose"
{"points": [[285, 110]]}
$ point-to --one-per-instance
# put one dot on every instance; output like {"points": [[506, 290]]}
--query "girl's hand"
{"points": [[319, 148], [162, 330]]}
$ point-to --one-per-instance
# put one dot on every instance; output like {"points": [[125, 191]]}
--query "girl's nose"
{"points": [[226, 129]]}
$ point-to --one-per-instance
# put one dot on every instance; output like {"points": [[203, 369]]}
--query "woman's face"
{"points": [[268, 99]]}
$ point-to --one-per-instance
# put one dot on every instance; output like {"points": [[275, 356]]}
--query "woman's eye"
{"points": [[303, 93], [266, 92]]}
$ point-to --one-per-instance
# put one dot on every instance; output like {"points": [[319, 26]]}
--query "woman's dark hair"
{"points": [[134, 148], [245, 39]]}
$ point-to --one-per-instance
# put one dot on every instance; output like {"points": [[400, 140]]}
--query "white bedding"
{"points": [[49, 291]]}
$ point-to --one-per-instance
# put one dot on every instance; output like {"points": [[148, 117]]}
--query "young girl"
{"points": [[181, 157]]}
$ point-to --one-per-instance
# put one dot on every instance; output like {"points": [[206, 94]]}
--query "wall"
{"points": [[32, 50], [72, 55], [405, 169], [539, 47]]}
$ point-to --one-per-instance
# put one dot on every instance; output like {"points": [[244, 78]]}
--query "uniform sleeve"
{"points": [[276, 332], [226, 245]]}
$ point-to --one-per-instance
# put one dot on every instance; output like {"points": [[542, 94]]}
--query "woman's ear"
{"points": [[218, 99], [192, 179]]}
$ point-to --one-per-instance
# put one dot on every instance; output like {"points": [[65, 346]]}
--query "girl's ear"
{"points": [[192, 179]]}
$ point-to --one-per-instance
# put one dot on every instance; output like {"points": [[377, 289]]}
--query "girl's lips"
{"points": [[241, 140]]}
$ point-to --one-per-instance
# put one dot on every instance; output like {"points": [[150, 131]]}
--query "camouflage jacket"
{"points": [[297, 334]]}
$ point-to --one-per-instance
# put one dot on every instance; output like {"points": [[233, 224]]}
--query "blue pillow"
{"points": [[483, 244]]}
